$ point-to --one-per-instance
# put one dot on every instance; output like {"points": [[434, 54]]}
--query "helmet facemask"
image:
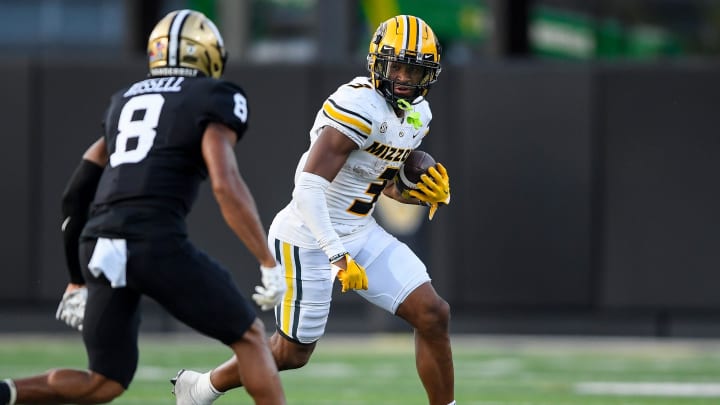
{"points": [[422, 76]]}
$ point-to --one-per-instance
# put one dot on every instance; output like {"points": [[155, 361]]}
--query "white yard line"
{"points": [[665, 389]]}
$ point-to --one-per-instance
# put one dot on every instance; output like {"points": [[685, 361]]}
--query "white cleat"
{"points": [[183, 383]]}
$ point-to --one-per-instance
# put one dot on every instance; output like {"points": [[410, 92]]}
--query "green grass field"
{"points": [[379, 369]]}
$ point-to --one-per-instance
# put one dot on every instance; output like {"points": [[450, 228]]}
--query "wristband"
{"points": [[337, 257]]}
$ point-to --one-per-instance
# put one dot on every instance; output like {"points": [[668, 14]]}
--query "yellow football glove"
{"points": [[434, 189], [353, 277]]}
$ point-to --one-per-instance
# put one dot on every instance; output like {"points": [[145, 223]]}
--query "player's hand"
{"points": [[434, 189], [72, 306], [353, 276], [268, 295]]}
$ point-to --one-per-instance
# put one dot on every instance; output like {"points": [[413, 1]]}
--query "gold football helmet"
{"points": [[186, 43], [409, 40]]}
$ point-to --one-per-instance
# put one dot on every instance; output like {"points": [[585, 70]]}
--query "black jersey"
{"points": [[153, 130]]}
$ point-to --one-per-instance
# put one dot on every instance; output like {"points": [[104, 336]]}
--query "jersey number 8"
{"points": [[143, 130]]}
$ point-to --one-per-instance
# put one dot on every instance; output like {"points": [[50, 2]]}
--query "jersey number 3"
{"points": [[135, 137], [362, 207]]}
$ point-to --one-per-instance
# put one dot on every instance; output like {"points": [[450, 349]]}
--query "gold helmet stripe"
{"points": [[174, 40], [411, 33]]}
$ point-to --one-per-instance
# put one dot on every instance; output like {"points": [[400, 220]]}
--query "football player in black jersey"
{"points": [[162, 137]]}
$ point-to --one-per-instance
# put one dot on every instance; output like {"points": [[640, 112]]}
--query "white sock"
{"points": [[13, 391], [452, 403], [204, 391]]}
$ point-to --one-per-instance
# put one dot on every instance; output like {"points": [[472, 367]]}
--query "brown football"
{"points": [[416, 164]]}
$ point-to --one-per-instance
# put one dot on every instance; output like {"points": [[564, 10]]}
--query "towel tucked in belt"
{"points": [[110, 258]]}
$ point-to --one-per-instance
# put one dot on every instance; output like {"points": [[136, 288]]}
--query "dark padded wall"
{"points": [[586, 192], [521, 186], [662, 233], [16, 162]]}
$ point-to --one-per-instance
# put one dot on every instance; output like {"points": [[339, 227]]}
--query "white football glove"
{"points": [[72, 308], [268, 295]]}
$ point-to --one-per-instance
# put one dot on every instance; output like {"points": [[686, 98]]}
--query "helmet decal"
{"points": [[157, 51]]}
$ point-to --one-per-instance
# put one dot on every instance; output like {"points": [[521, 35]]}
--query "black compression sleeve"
{"points": [[76, 200]]}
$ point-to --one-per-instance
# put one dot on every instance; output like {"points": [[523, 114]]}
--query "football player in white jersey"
{"points": [[361, 136]]}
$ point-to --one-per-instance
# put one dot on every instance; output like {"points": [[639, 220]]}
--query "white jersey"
{"points": [[384, 141]]}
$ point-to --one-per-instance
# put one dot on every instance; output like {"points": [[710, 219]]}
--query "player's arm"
{"points": [[327, 156], [239, 209], [232, 194], [76, 200]]}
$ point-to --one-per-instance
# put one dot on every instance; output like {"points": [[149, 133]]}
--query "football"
{"points": [[416, 164]]}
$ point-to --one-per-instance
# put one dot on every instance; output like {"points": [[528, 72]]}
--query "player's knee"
{"points": [[290, 355], [287, 354], [435, 316], [293, 359]]}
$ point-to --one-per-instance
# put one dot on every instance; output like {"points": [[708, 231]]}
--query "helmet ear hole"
{"points": [[380, 67]]}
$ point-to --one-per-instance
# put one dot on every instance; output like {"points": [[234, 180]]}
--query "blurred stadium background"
{"points": [[580, 136]]}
